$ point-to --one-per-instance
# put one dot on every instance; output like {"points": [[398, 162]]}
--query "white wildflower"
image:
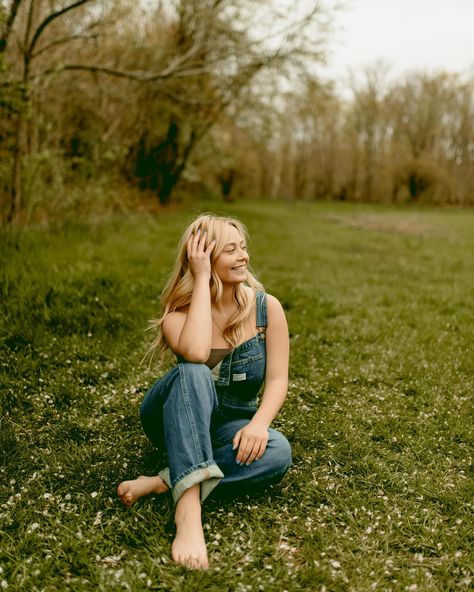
{"points": [[33, 527]]}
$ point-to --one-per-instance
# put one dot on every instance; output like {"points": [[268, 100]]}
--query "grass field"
{"points": [[380, 305]]}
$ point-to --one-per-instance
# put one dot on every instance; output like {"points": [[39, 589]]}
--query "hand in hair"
{"points": [[198, 255]]}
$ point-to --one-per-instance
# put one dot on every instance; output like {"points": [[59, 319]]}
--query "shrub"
{"points": [[424, 180]]}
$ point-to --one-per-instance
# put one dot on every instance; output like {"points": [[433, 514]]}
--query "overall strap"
{"points": [[262, 320]]}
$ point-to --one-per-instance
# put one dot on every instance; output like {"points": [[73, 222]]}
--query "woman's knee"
{"points": [[278, 451], [196, 385], [195, 371]]}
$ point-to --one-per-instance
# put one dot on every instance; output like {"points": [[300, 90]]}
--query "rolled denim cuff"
{"points": [[207, 474], [165, 476]]}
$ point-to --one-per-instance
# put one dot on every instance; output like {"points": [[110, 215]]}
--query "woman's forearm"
{"points": [[196, 336], [273, 397]]}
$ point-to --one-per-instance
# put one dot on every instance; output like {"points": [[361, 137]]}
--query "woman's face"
{"points": [[231, 264]]}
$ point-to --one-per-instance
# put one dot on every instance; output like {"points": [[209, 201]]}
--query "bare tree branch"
{"points": [[61, 41], [49, 19], [139, 76], [9, 24], [167, 73]]}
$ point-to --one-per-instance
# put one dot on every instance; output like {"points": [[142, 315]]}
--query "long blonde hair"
{"points": [[179, 288]]}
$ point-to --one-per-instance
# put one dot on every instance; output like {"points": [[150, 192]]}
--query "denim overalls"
{"points": [[194, 412]]}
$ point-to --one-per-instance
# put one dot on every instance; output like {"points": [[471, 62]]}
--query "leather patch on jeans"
{"points": [[239, 377]]}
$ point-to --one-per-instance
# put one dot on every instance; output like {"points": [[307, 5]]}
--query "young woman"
{"points": [[229, 338]]}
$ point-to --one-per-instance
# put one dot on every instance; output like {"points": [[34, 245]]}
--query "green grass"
{"points": [[380, 304]]}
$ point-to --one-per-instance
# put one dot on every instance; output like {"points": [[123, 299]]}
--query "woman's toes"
{"points": [[192, 562], [130, 491], [123, 491]]}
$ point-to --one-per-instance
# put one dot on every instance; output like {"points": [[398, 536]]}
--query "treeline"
{"points": [[393, 141], [102, 99]]}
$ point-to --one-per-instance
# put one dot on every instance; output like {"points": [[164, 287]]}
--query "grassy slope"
{"points": [[379, 414]]}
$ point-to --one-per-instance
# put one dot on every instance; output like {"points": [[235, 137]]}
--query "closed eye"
{"points": [[233, 249]]}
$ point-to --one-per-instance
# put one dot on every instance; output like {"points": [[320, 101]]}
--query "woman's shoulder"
{"points": [[274, 307], [272, 301], [273, 304]]}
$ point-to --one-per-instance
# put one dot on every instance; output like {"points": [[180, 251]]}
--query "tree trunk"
{"points": [[353, 185], [16, 197], [172, 175]]}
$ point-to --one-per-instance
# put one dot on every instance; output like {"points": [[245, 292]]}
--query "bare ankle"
{"points": [[159, 485], [188, 506], [189, 546]]}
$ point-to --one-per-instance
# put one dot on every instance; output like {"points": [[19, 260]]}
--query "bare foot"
{"points": [[130, 491], [189, 546]]}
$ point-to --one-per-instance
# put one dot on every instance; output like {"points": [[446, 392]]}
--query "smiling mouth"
{"points": [[241, 268]]}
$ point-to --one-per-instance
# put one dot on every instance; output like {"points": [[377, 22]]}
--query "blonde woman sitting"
{"points": [[230, 338]]}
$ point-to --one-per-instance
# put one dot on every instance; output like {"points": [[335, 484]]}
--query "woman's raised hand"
{"points": [[199, 256]]}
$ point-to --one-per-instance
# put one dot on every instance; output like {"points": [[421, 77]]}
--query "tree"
{"points": [[421, 111], [192, 61], [222, 60], [369, 126], [37, 19]]}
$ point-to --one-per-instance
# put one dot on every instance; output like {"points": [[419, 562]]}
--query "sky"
{"points": [[408, 34]]}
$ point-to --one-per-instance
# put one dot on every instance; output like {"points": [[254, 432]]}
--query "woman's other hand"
{"points": [[199, 256], [251, 442]]}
